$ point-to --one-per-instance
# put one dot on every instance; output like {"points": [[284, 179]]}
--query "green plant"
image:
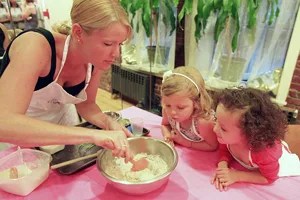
{"points": [[150, 9], [227, 12]]}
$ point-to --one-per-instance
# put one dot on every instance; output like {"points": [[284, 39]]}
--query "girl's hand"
{"points": [[218, 184], [227, 176], [168, 137]]}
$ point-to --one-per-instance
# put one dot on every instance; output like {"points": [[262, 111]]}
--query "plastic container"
{"points": [[23, 170]]}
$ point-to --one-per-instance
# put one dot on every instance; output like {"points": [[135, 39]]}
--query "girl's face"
{"points": [[227, 126], [102, 47], [178, 106]]}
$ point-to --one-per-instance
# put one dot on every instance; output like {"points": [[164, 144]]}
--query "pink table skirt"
{"points": [[190, 180]]}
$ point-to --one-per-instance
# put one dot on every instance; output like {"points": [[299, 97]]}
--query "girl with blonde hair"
{"points": [[187, 117]]}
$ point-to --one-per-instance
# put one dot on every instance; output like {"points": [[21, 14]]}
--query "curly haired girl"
{"points": [[250, 129], [187, 112]]}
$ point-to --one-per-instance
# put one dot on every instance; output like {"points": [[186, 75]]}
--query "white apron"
{"points": [[53, 104]]}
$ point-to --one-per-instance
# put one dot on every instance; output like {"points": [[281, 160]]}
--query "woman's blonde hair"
{"points": [[176, 83], [94, 14]]}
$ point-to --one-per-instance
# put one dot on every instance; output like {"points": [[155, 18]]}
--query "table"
{"points": [[190, 180]]}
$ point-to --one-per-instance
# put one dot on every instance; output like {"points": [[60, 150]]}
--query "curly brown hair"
{"points": [[263, 121]]}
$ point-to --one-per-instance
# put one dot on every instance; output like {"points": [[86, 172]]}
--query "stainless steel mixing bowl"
{"points": [[141, 145]]}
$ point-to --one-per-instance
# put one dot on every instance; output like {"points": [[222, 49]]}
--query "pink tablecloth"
{"points": [[190, 180]]}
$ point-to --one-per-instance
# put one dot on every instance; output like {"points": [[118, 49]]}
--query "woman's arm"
{"points": [[28, 132], [88, 109], [92, 113]]}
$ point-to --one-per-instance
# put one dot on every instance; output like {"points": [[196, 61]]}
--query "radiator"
{"points": [[130, 84]]}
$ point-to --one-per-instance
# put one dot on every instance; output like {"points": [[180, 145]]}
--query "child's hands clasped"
{"points": [[218, 184], [224, 177]]}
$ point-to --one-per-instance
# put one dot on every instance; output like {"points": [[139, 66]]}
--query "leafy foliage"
{"points": [[149, 9], [223, 9]]}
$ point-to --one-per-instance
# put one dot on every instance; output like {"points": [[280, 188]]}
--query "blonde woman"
{"points": [[41, 82], [187, 117]]}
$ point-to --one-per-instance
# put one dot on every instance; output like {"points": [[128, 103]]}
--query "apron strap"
{"points": [[64, 57]]}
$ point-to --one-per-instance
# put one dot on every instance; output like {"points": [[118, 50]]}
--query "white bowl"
{"points": [[23, 170]]}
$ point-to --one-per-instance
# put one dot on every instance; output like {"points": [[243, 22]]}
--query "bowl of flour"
{"points": [[162, 160]]}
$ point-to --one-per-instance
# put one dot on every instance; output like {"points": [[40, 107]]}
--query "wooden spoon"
{"points": [[69, 162]]}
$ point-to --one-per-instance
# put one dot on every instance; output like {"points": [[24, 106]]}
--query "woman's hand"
{"points": [[116, 141]]}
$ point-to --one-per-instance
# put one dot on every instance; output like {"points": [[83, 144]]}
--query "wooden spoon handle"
{"points": [[69, 162]]}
